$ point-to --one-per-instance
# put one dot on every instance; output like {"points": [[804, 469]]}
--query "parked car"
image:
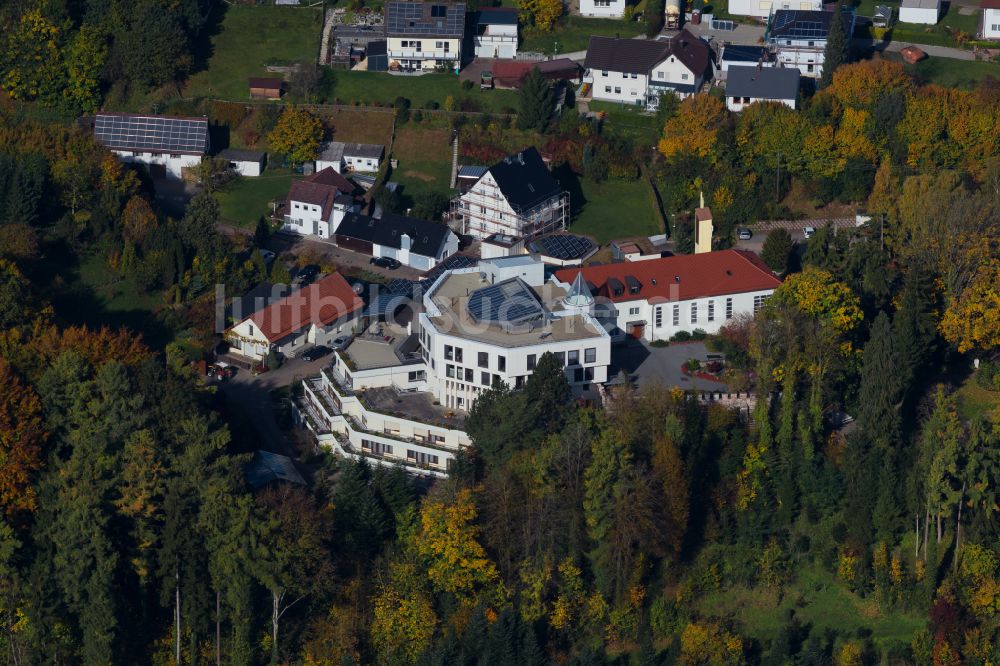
{"points": [[221, 371], [313, 353], [385, 262], [307, 274], [808, 232], [341, 342], [745, 234]]}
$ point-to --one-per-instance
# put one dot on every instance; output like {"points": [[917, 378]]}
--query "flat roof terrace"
{"points": [[416, 406], [452, 300], [383, 346]]}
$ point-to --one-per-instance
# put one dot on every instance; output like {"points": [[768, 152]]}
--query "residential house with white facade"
{"points": [[345, 157], [313, 315], [799, 37], [416, 243], [989, 20], [639, 71], [317, 204], [746, 85], [743, 55], [398, 394], [496, 33], [603, 8], [761, 9], [424, 36], [517, 196], [921, 12], [166, 145], [653, 300]]}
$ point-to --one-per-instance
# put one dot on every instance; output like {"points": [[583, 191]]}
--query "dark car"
{"points": [[307, 273], [385, 262], [313, 353]]}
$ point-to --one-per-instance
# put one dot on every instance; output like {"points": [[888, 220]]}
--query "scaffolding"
{"points": [[484, 211]]}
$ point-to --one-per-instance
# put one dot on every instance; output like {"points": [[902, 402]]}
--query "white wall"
{"points": [[921, 15], [363, 164], [739, 103], [489, 211], [175, 163], [808, 60], [246, 167], [333, 164], [991, 24], [627, 88], [762, 8], [499, 41], [604, 8]]}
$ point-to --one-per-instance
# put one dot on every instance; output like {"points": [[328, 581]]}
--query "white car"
{"points": [[808, 232]]}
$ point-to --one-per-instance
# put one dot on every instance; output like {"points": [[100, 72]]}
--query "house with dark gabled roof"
{"points": [[317, 204], [517, 196], [748, 84], [416, 243], [638, 71]]}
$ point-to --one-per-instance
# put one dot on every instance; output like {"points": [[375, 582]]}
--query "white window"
{"points": [[758, 303], [590, 355], [694, 313], [729, 308], [618, 90], [634, 76], [677, 315], [633, 311], [711, 310], [659, 316], [604, 73], [607, 89], [684, 77], [659, 75]]}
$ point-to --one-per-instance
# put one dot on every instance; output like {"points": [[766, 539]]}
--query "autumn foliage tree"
{"points": [[696, 129], [972, 320], [22, 436], [542, 14], [297, 135]]}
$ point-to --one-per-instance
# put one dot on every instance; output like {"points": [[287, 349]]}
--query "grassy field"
{"points": [[975, 401], [572, 33], [631, 121], [424, 156], [359, 126], [242, 202], [952, 73], [615, 209], [250, 38], [938, 35], [372, 87], [818, 599]]}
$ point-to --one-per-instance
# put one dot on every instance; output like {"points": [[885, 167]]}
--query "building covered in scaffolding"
{"points": [[516, 197]]}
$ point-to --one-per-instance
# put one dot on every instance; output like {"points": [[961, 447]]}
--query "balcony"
{"points": [[406, 54]]}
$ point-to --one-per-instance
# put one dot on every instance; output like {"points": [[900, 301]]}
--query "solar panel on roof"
{"points": [[508, 302], [563, 247], [408, 18], [451, 263], [152, 133]]}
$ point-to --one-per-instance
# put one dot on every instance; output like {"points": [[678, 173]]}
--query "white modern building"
{"points": [[316, 205], [924, 12], [799, 38], [496, 33], [989, 22], [398, 394], [750, 84], [653, 300], [424, 36], [166, 145], [341, 157], [314, 315], [638, 71], [416, 243], [761, 9], [517, 196], [244, 162], [603, 8]]}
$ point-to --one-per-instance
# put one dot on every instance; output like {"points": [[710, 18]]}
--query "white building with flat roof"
{"points": [[923, 12]]}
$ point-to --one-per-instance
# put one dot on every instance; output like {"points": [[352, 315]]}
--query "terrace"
{"points": [[382, 345]]}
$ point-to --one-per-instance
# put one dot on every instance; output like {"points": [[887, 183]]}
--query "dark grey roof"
{"points": [[524, 179], [631, 56], [366, 150], [496, 16], [126, 131], [266, 468], [802, 24], [766, 83], [562, 246], [234, 155], [472, 171], [742, 53], [428, 19], [378, 48], [426, 237]]}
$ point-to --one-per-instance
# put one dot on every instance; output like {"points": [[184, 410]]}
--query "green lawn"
{"points": [[424, 156], [975, 401], [250, 38], [572, 33], [371, 87], [937, 35], [615, 209], [629, 120], [952, 73], [242, 202], [818, 599]]}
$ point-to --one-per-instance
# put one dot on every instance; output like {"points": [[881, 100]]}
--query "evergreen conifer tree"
{"points": [[837, 42], [536, 102]]}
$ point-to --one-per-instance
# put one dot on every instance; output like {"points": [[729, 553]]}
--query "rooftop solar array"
{"points": [[799, 25], [563, 247], [451, 263], [507, 302], [152, 133], [408, 18]]}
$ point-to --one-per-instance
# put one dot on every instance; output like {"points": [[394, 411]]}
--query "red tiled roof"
{"points": [[265, 82], [320, 189], [990, 4], [700, 275], [319, 303]]}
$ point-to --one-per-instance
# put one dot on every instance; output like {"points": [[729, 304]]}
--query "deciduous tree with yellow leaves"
{"points": [[297, 135], [696, 128]]}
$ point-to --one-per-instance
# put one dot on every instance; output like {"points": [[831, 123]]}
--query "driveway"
{"points": [[342, 257], [661, 365], [252, 395]]}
